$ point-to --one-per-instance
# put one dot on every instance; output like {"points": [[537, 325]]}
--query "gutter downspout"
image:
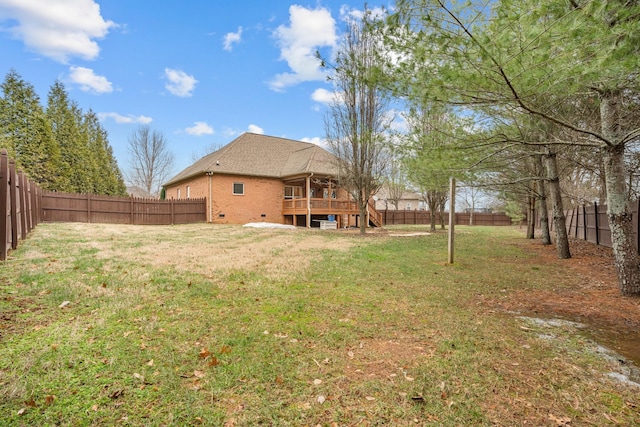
{"points": [[209, 214]]}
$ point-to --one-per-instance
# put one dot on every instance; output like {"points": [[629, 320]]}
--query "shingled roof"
{"points": [[265, 156]]}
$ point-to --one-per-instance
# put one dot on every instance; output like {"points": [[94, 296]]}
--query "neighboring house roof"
{"points": [[261, 155], [135, 191], [383, 194]]}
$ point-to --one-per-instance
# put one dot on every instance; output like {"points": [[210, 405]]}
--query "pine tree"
{"points": [[66, 118], [26, 132]]}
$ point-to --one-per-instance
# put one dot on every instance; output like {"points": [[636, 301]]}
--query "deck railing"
{"points": [[319, 206]]}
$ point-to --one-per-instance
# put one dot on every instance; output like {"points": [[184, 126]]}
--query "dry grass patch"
{"points": [[201, 248]]}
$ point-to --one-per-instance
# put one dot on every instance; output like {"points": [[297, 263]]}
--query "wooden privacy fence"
{"points": [[590, 223], [391, 217], [65, 207], [19, 201]]}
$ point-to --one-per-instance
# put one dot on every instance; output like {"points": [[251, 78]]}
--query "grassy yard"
{"points": [[227, 326]]}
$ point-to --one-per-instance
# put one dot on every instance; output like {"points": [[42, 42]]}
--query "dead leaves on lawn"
{"points": [[211, 360]]}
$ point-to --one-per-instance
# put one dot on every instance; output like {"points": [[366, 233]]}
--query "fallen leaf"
{"points": [[225, 349], [195, 385], [213, 361], [279, 380], [22, 411], [64, 304], [418, 399], [370, 398], [138, 376], [94, 408], [30, 403], [560, 421], [350, 354], [204, 353], [317, 381], [150, 362], [198, 374], [116, 394], [49, 399], [321, 399]]}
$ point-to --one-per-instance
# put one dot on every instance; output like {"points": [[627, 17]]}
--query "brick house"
{"points": [[264, 178], [410, 200]]}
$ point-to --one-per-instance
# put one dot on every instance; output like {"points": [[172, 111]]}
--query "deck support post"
{"points": [[308, 182]]}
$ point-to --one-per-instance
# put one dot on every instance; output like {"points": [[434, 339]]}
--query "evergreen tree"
{"points": [[104, 172], [26, 133], [66, 120]]}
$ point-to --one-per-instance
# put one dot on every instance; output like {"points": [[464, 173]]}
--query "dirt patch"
{"points": [[592, 297]]}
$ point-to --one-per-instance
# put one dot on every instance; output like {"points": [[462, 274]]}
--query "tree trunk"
{"points": [[363, 218], [531, 215], [626, 258], [432, 210], [544, 210], [559, 220]]}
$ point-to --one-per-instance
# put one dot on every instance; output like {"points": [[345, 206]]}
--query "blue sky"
{"points": [[200, 72]]}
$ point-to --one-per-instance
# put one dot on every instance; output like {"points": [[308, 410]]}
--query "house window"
{"points": [[291, 192], [408, 206], [178, 193], [188, 192], [238, 188]]}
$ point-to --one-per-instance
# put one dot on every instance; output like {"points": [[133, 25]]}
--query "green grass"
{"points": [[382, 333]]}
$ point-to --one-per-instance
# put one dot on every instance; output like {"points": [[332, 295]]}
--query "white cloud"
{"points": [[179, 83], [89, 81], [349, 14], [199, 129], [309, 30], [317, 141], [231, 38], [120, 119], [228, 132], [255, 129], [58, 29], [323, 96]]}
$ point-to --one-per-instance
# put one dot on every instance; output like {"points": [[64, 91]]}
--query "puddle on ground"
{"points": [[621, 347]]}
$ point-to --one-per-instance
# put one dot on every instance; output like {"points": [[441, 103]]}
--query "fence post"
{"points": [[4, 199], [637, 224], [23, 204], [131, 209], [597, 221], [171, 211], [28, 202], [89, 208], [584, 222], [13, 204]]}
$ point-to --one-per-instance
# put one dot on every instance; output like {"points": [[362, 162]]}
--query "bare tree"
{"points": [[357, 121], [151, 162], [395, 183]]}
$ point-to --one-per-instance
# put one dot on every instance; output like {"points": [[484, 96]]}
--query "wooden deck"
{"points": [[321, 206]]}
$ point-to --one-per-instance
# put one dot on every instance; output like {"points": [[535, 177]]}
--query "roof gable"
{"points": [[262, 155]]}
